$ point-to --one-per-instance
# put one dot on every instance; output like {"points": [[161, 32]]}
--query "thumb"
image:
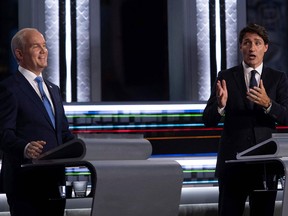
{"points": [[224, 85], [261, 84]]}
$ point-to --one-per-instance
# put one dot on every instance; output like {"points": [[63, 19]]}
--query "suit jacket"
{"points": [[23, 118], [243, 126]]}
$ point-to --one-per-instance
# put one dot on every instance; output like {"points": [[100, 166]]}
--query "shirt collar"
{"points": [[29, 75], [248, 69]]}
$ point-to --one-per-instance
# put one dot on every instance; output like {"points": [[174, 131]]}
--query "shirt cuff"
{"points": [[267, 110], [25, 154], [221, 111]]}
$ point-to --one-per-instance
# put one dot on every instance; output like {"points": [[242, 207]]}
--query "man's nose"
{"points": [[44, 49], [253, 46]]}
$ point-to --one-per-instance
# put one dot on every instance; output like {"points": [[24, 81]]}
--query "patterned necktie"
{"points": [[45, 100], [253, 81]]}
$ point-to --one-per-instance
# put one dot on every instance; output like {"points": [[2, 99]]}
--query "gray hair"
{"points": [[18, 41]]}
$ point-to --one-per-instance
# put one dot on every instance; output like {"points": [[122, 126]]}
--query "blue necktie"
{"points": [[253, 81], [252, 84], [45, 100]]}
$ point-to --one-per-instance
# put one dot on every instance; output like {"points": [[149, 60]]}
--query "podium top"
{"points": [[70, 151], [276, 146]]}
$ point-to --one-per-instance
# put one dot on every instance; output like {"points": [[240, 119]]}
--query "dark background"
{"points": [[134, 44]]}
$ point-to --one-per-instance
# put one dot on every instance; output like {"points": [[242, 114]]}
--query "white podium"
{"points": [[273, 150], [124, 180]]}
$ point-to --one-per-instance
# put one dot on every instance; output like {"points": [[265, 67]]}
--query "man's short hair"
{"points": [[254, 28]]}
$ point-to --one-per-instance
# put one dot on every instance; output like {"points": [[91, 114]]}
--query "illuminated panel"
{"points": [[231, 23], [78, 173], [52, 40], [199, 171], [83, 51], [74, 173], [203, 48], [172, 129], [135, 118]]}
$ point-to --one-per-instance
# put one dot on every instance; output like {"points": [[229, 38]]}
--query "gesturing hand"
{"points": [[221, 93], [259, 96]]}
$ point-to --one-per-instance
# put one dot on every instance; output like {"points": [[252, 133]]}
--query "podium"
{"points": [[273, 150], [124, 180]]}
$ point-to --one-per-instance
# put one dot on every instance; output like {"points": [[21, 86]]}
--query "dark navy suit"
{"points": [[23, 118], [243, 128]]}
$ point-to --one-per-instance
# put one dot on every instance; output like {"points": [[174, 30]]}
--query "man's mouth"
{"points": [[251, 56], [42, 57]]}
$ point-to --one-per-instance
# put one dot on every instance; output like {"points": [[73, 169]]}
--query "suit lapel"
{"points": [[265, 76], [241, 85], [28, 90], [239, 78]]}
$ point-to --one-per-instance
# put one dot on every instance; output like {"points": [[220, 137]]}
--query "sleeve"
{"points": [[211, 115], [279, 108], [9, 142]]}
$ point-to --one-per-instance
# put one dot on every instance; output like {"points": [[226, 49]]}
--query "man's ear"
{"points": [[266, 47], [18, 54]]}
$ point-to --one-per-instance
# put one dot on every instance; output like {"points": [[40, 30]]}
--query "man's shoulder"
{"points": [[9, 81], [268, 69], [231, 70], [235, 68]]}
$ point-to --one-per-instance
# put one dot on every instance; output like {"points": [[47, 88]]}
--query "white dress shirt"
{"points": [[247, 73], [30, 76]]}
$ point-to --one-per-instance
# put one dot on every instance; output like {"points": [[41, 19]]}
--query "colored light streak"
{"points": [[77, 173], [95, 115], [194, 155], [143, 131], [138, 108], [136, 126], [183, 137], [200, 182]]}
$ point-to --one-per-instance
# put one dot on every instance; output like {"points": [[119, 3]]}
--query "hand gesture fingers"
{"points": [[259, 96], [221, 93]]}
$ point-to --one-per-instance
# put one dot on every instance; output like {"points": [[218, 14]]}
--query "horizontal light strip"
{"points": [[174, 156], [193, 163], [200, 182], [76, 173], [183, 137], [133, 107], [199, 171], [136, 126], [124, 128], [131, 115], [143, 130]]}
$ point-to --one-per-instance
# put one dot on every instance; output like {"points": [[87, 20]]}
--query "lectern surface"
{"points": [[73, 150]]}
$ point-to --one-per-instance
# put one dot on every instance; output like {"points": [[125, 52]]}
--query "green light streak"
{"points": [[78, 173]]}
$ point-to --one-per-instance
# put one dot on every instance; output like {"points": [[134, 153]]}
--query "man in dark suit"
{"points": [[26, 131], [250, 117]]}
